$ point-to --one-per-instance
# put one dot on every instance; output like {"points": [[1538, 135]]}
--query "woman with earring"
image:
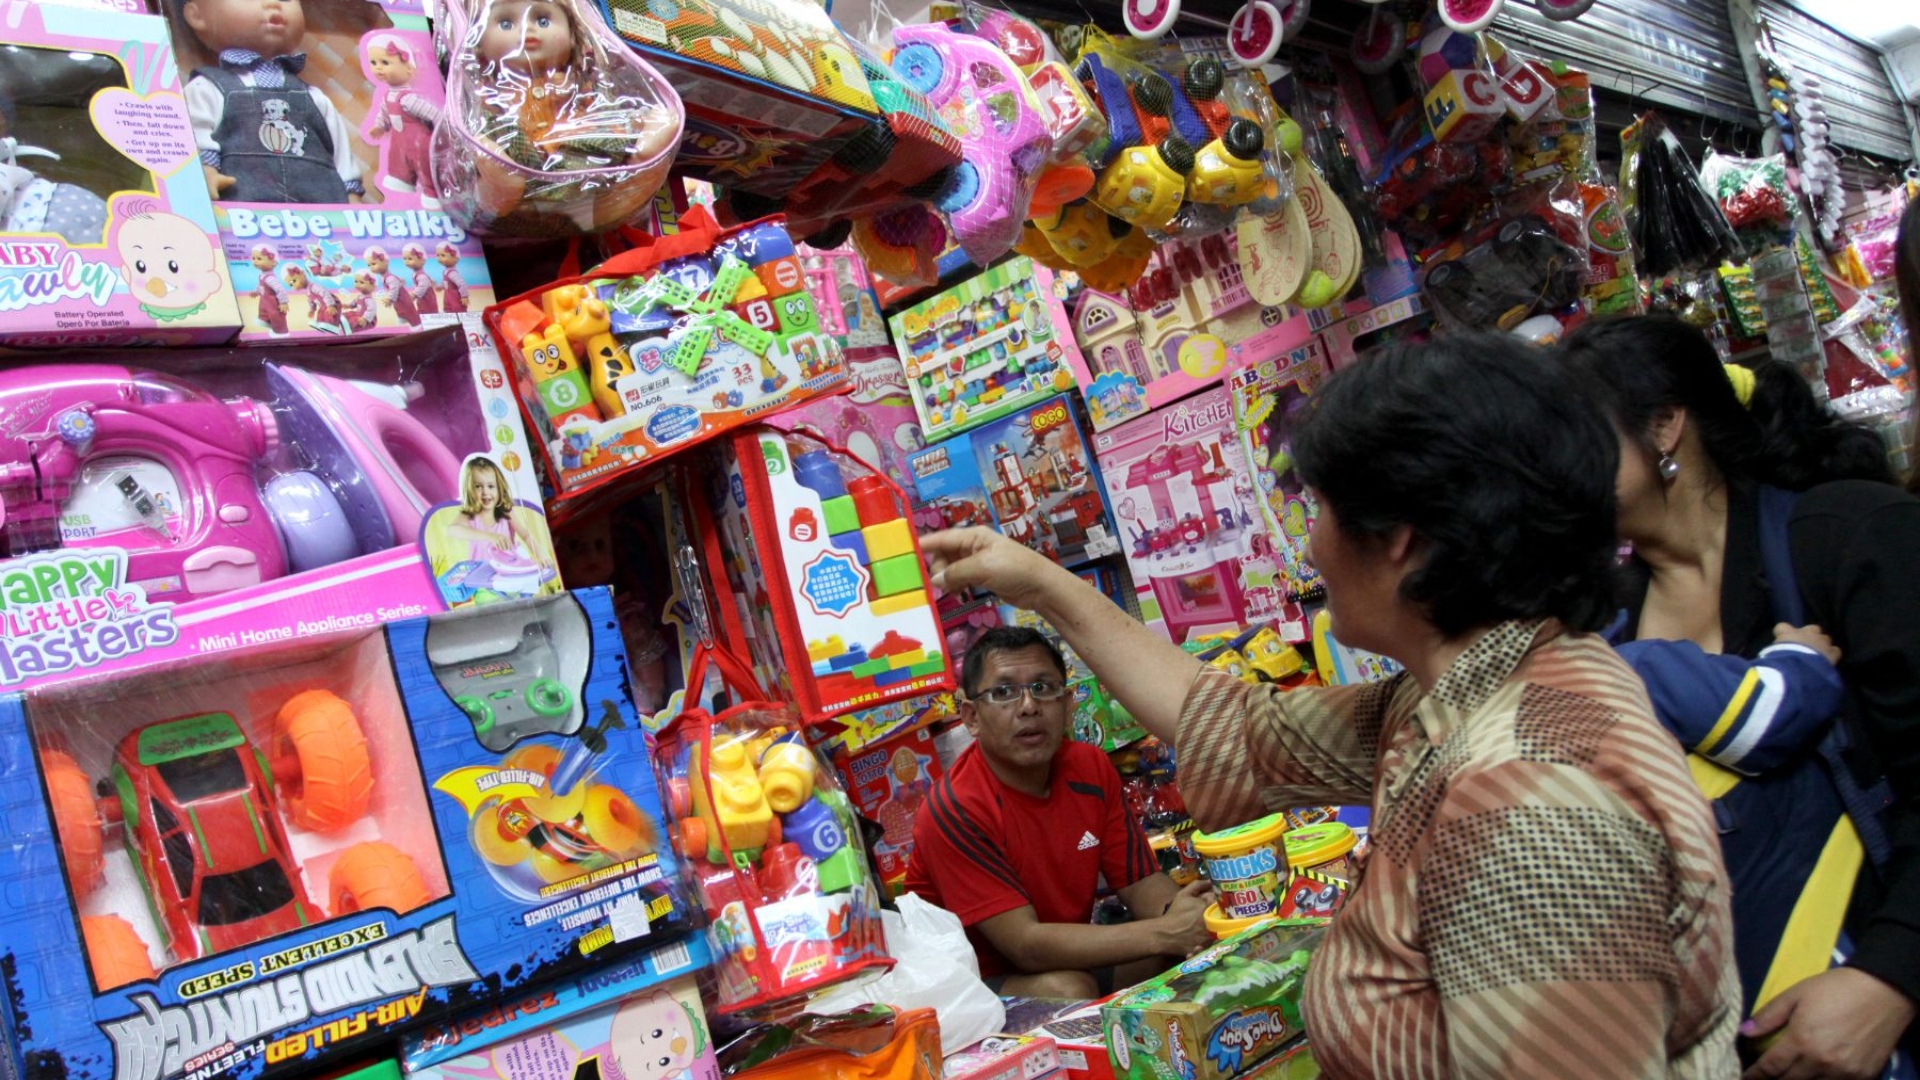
{"points": [[1750, 506]]}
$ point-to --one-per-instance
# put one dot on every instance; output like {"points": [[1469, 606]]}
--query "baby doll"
{"points": [[404, 118], [397, 295], [454, 297], [264, 135], [361, 312], [30, 203], [415, 257], [325, 263], [272, 291]]}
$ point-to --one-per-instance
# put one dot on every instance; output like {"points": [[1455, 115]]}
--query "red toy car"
{"points": [[202, 809]]}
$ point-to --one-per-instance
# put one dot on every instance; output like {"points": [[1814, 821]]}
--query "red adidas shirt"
{"points": [[982, 849]]}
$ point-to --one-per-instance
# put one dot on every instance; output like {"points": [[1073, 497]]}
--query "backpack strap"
{"points": [[1866, 803]]}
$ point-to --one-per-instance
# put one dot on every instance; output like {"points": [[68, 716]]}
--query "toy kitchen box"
{"points": [[1030, 475], [990, 345], [669, 343], [100, 177], [329, 218], [251, 865], [216, 500], [1219, 1013], [1190, 518], [828, 588]]}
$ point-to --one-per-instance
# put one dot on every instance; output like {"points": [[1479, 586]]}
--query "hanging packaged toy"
{"points": [[1529, 260], [557, 128], [775, 850], [1752, 192], [1676, 223]]}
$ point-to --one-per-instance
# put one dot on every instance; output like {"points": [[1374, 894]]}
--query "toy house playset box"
{"points": [[1190, 519], [316, 150], [990, 345], [217, 500], [1031, 475], [247, 865], [106, 230], [671, 342], [824, 587]]}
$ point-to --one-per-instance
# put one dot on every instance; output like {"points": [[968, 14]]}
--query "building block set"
{"points": [[302, 850], [101, 176], [1029, 474], [829, 595]]}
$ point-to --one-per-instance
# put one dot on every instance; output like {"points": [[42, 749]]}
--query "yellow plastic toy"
{"points": [[607, 363], [549, 354], [1231, 662], [1146, 184], [735, 806], [1080, 233], [577, 311], [786, 775], [1226, 171], [1270, 657]]}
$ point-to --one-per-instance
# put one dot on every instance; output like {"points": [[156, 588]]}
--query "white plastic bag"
{"points": [[934, 968]]}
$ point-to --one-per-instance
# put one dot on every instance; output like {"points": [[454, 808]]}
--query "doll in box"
{"points": [[415, 258], [360, 312], [33, 204], [453, 287], [402, 117], [392, 289], [264, 135]]}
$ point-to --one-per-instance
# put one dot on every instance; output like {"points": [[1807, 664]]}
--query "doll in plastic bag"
{"points": [[543, 93]]}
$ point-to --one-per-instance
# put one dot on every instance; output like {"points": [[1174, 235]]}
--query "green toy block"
{"points": [[871, 668], [840, 514], [932, 665], [896, 575], [796, 314], [840, 872]]}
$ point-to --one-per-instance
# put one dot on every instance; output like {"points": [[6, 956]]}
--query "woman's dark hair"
{"points": [[1004, 639], [1479, 444], [1637, 367], [1906, 275]]}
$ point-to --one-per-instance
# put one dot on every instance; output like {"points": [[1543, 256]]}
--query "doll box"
{"points": [[1029, 473], [986, 347], [311, 847], [107, 235], [772, 91], [216, 500], [1219, 1013], [626, 1021], [338, 232], [828, 587], [1189, 517]]}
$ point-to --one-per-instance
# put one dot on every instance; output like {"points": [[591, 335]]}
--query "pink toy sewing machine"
{"points": [[96, 455], [1002, 128]]}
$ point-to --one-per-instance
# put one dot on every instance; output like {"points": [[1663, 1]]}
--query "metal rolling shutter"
{"points": [[1679, 54], [1863, 108]]}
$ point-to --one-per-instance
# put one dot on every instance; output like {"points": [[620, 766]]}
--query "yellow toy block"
{"points": [[735, 805], [906, 659], [887, 539], [576, 310], [818, 651], [607, 363], [899, 602], [548, 353]]}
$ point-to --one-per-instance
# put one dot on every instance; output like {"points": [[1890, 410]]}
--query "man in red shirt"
{"points": [[1015, 839]]}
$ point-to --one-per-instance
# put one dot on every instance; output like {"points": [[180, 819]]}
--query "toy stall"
{"points": [[464, 467]]}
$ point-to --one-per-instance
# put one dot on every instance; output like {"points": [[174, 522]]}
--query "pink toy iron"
{"points": [[95, 456]]}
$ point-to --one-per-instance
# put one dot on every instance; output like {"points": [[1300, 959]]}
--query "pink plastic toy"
{"points": [[1002, 129], [104, 456]]}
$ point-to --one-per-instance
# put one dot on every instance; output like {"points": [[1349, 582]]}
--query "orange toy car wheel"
{"points": [[534, 757], [375, 874], [494, 845], [115, 950], [331, 781], [617, 825], [690, 837], [76, 818]]}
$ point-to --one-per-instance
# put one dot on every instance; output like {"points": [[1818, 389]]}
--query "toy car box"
{"points": [[665, 345], [307, 848], [1219, 1013], [214, 500], [828, 588], [640, 1028], [332, 227], [1189, 518], [990, 345], [1029, 473], [102, 175]]}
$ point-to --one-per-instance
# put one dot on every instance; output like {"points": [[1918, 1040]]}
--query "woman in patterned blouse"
{"points": [[1544, 895]]}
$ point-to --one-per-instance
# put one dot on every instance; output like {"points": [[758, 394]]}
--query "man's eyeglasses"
{"points": [[1008, 693]]}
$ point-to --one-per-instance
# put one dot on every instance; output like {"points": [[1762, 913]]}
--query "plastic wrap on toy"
{"points": [[776, 855], [1559, 136], [990, 106], [1426, 188], [1752, 192], [1612, 286], [1529, 260], [1269, 400], [902, 245], [559, 128], [1462, 101], [1676, 223]]}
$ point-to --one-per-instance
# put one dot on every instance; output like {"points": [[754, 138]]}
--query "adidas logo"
{"points": [[1087, 840]]}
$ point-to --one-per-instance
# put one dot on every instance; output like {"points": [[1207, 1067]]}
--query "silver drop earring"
{"points": [[1669, 468]]}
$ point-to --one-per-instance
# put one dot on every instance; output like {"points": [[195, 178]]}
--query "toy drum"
{"points": [[1245, 865], [1326, 849]]}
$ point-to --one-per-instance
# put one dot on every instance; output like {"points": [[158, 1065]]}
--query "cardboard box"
{"points": [[1218, 1013], [309, 261], [1080, 1043], [222, 499], [296, 818], [1003, 1057], [887, 784], [104, 176]]}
